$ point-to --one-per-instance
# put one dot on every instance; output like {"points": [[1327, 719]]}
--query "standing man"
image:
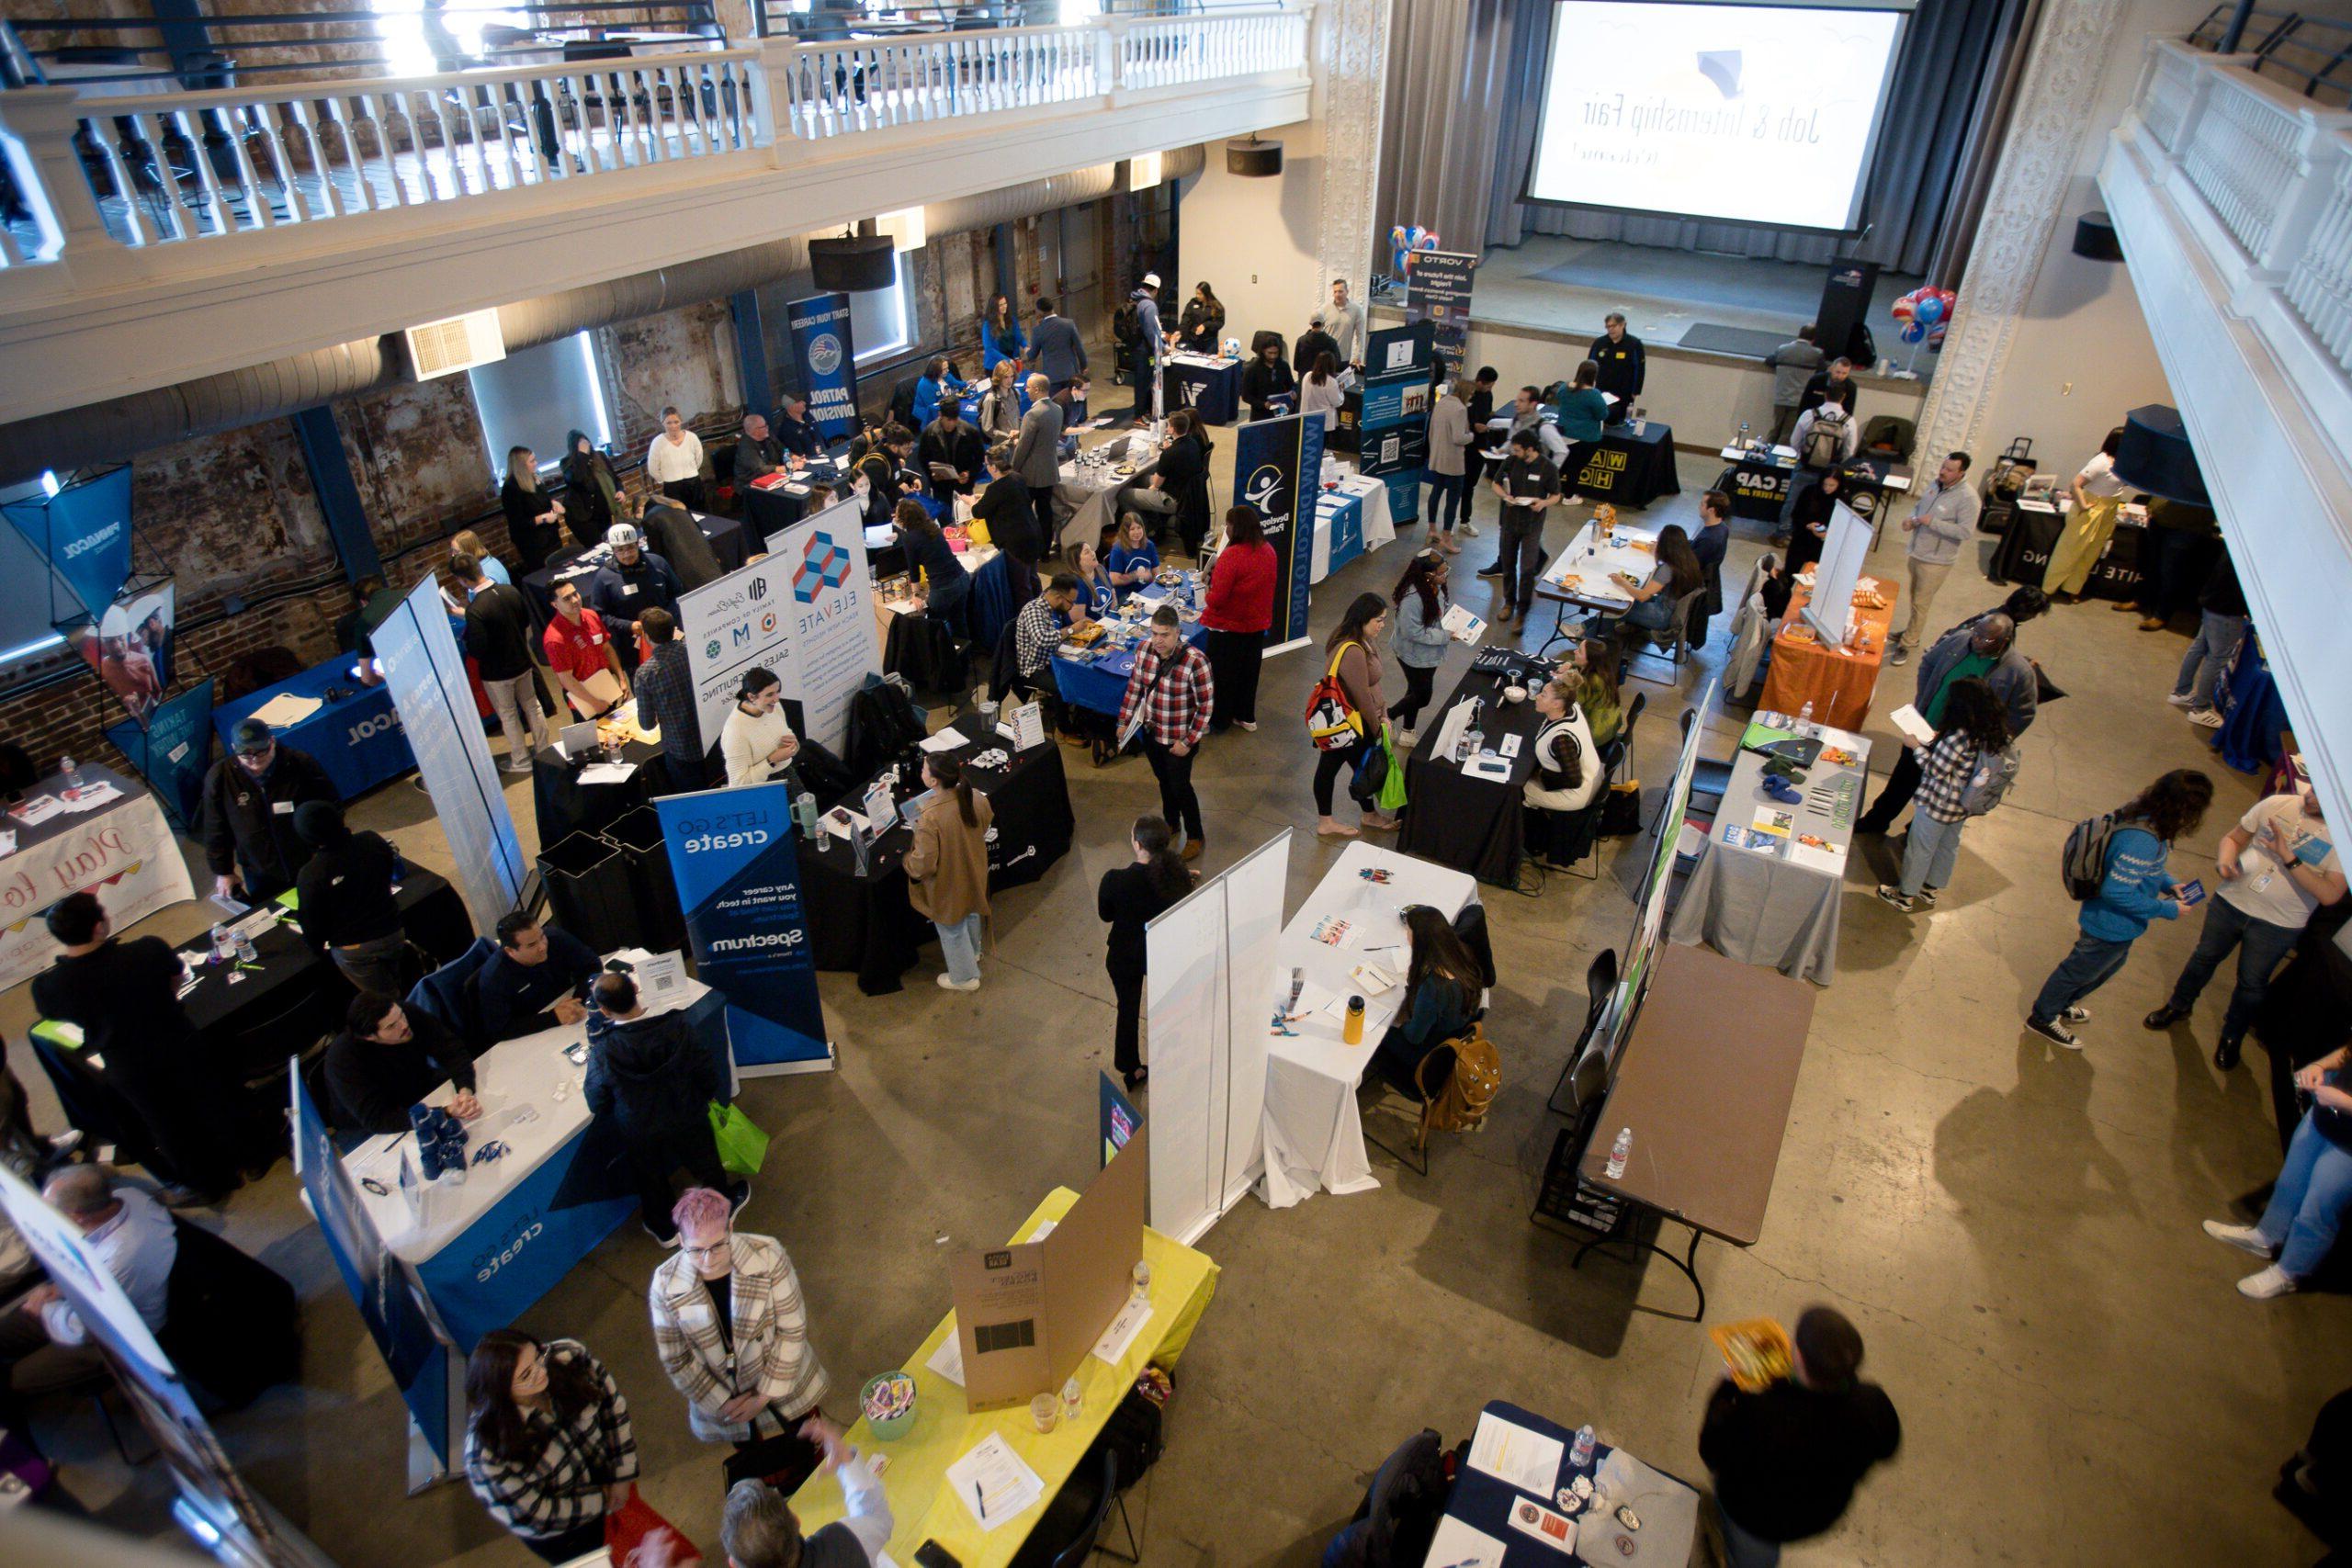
{"points": [[950, 452], [1343, 319], [1055, 351], [498, 635], [1474, 459], [665, 695], [346, 900], [1151, 342], [1622, 364], [2276, 866], [794, 432], [1792, 365], [1312, 344], [649, 1078], [1530, 487], [1985, 647], [757, 452], [581, 652], [1786, 1459], [633, 581], [124, 995], [1833, 385], [1943, 517], [535, 967], [2171, 548], [1037, 455], [249, 801], [1170, 699], [674, 460]]}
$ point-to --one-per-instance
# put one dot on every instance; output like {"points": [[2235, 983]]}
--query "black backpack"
{"points": [[2083, 862], [1127, 323]]}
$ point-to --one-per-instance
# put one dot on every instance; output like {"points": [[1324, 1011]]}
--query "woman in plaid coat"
{"points": [[731, 1328], [548, 1449]]}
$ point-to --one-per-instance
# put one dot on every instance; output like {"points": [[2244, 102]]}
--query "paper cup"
{"points": [[1045, 1410]]}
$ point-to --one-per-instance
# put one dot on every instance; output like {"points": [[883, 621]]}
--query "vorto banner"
{"points": [[1437, 290], [738, 870], [821, 342], [1279, 462], [85, 531]]}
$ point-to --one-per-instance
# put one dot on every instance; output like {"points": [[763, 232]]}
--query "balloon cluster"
{"points": [[1925, 313], [1403, 242]]}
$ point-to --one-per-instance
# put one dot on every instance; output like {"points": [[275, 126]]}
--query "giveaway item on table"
{"points": [[887, 1403], [440, 1142], [39, 809]]}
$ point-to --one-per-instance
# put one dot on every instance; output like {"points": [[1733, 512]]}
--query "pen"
{"points": [[980, 1501]]}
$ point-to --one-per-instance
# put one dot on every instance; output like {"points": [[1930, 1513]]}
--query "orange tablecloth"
{"points": [[1837, 682]]}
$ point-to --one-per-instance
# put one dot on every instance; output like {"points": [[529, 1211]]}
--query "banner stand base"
{"points": [[829, 1062], [1286, 647], [424, 1471]]}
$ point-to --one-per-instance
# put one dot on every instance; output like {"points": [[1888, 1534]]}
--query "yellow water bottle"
{"points": [[1352, 1030]]}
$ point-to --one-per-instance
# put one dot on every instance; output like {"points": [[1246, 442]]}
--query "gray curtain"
{"points": [[1449, 65]]}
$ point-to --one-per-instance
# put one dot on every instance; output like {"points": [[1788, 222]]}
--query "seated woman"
{"points": [[1096, 591], [1135, 559], [1809, 520], [2315, 1188], [1678, 573], [1566, 781], [1590, 672], [1443, 987]]}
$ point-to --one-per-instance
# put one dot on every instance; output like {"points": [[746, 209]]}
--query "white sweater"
{"points": [[669, 461], [744, 743]]}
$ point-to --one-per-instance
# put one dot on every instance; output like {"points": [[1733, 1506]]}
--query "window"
{"points": [[534, 395], [32, 598], [878, 318]]}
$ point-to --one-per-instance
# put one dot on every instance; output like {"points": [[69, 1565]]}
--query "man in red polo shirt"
{"points": [[581, 651]]}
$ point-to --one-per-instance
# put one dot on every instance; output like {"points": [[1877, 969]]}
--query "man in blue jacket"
{"points": [[1985, 648], [1150, 341], [535, 965]]}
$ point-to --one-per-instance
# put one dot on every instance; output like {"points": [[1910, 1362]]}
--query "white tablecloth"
{"points": [[122, 851], [1589, 560], [1379, 523], [1314, 1136]]}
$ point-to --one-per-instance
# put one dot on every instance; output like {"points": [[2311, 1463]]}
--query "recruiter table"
{"points": [[865, 923], [728, 542], [768, 511], [487, 1247], [1313, 1133], [1534, 1451], [355, 733], [1705, 1160], [923, 1507], [1211, 387], [1461, 819], [122, 848], [1634, 466], [1838, 681], [1768, 885], [1584, 576], [2035, 528], [1351, 519], [1096, 677]]}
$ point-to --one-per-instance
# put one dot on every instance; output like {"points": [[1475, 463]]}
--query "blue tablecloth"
{"points": [[356, 738], [2252, 714], [1340, 520], [1484, 1502], [1102, 684], [1211, 392]]}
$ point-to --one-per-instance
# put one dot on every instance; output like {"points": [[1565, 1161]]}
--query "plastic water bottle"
{"points": [[244, 948], [1617, 1153], [399, 863], [1745, 442], [73, 771], [1581, 1454], [1804, 714], [221, 944]]}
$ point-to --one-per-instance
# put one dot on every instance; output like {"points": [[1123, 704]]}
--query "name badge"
{"points": [[282, 807], [629, 588]]}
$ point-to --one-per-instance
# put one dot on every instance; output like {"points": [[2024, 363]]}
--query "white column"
{"points": [[1351, 51], [2071, 49]]}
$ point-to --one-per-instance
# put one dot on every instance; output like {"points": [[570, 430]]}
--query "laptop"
{"points": [[577, 739]]}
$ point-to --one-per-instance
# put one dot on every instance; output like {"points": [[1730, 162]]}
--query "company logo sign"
{"points": [[823, 564], [376, 725], [759, 589], [81, 545], [824, 354], [1263, 489]]}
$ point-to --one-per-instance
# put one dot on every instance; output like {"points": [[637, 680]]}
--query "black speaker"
{"points": [[1845, 311], [2094, 238], [1254, 159], [858, 264]]}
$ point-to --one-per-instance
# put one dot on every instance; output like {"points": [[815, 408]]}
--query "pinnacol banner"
{"points": [[828, 357], [1437, 290], [1280, 464], [82, 531], [738, 871]]}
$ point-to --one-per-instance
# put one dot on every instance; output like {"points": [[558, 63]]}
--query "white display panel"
{"points": [[1736, 113]]}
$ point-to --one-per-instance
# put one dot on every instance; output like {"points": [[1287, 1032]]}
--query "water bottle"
{"points": [[1746, 443], [400, 864], [219, 944], [73, 771], [244, 948], [1804, 714], [1581, 1454], [1618, 1151]]}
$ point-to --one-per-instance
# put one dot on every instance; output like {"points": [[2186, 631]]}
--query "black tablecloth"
{"points": [[564, 805], [2023, 556], [866, 925], [1471, 824], [1759, 489], [728, 541], [1630, 469], [769, 511]]}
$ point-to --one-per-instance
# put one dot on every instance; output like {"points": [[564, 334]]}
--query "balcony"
{"points": [[166, 235], [2232, 196]]}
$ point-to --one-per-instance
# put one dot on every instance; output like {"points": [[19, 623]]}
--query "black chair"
{"points": [[1708, 777], [1599, 985], [1619, 752], [1398, 1517], [1428, 1081], [231, 1322], [1072, 1531], [1675, 640]]}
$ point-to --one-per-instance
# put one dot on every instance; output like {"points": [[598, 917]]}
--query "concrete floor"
{"points": [[2013, 1227]]}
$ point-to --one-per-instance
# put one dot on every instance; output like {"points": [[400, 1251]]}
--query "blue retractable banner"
{"points": [[828, 356], [84, 531], [1279, 464], [738, 870], [174, 751]]}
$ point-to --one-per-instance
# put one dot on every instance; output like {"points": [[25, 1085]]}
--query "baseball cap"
{"points": [[1151, 280], [621, 534], [251, 737]]}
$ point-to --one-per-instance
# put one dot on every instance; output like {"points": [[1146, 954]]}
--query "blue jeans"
{"points": [[2217, 638], [2266, 946], [1449, 498], [2091, 964], [1744, 1550], [2307, 1206], [959, 945], [1929, 854]]}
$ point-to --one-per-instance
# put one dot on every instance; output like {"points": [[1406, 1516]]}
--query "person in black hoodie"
{"points": [[346, 901], [1312, 344], [250, 798], [387, 1059], [1786, 1461], [648, 1076], [1268, 385], [596, 500], [1129, 897]]}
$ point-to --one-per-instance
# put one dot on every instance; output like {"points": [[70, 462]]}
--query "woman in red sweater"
{"points": [[1241, 607]]}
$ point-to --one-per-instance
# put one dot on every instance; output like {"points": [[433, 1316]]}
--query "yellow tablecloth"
{"points": [[921, 1506]]}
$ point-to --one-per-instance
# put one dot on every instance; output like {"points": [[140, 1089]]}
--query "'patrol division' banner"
{"points": [[1280, 462], [820, 342], [738, 871], [1437, 290]]}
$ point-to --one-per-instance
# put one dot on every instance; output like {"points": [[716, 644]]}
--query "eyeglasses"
{"points": [[716, 1247]]}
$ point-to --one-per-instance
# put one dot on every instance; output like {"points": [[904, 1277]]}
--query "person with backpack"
{"points": [[1442, 985], [1144, 346], [1128, 899], [2116, 866], [1825, 436], [1351, 686], [1974, 736], [1983, 649]]}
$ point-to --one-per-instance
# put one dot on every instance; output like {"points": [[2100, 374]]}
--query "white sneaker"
{"points": [[1248, 723], [949, 983], [1467, 529], [2207, 717], [1406, 737], [2271, 1284], [2076, 1015], [2181, 700], [2245, 1238]]}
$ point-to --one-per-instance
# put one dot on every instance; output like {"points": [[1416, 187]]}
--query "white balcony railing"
{"points": [[2319, 285], [134, 171]]}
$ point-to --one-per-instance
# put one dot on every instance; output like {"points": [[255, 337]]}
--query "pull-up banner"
{"points": [[738, 871], [84, 531], [1437, 290], [821, 342], [1280, 462]]}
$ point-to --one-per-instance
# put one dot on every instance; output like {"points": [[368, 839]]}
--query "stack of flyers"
{"points": [[1771, 823], [1331, 930]]}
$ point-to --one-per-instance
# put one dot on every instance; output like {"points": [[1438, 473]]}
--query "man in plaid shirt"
{"points": [[1169, 700], [665, 699]]}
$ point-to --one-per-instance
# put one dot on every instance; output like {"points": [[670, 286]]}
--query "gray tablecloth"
{"points": [[1755, 905], [1088, 492]]}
